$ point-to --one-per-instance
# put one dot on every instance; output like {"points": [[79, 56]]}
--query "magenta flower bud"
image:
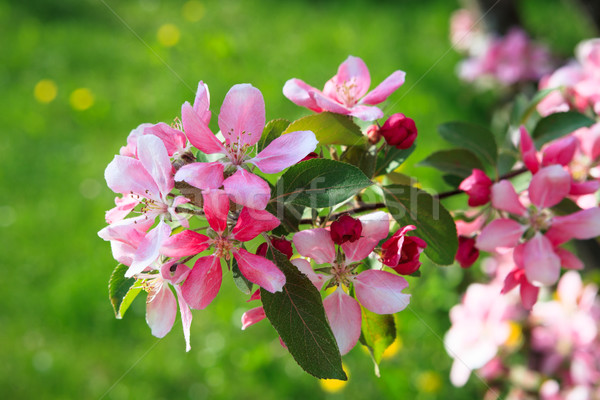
{"points": [[401, 252], [310, 156], [477, 186], [467, 253], [373, 134], [345, 229], [399, 131], [283, 245]]}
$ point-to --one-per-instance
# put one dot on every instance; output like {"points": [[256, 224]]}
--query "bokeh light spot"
{"points": [[393, 349], [168, 35], [429, 382], [45, 91], [81, 99], [193, 11], [8, 216], [334, 385]]}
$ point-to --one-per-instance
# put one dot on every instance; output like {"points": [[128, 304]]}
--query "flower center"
{"points": [[236, 151], [347, 92], [223, 247]]}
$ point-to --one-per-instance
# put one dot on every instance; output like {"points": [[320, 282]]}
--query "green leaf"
{"points": [[121, 291], [272, 131], [557, 125], [378, 332], [472, 137], [239, 279], [363, 158], [319, 183], [330, 128], [391, 158], [412, 206], [298, 316], [459, 162], [528, 109]]}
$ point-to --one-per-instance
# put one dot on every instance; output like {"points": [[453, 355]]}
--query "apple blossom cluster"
{"points": [[502, 60], [193, 203]]}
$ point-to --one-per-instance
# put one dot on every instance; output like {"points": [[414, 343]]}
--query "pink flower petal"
{"points": [[127, 175], [155, 159], [299, 93], [186, 317], [354, 71], [202, 103], [505, 198], [375, 227], [252, 223], [148, 250], [529, 294], [184, 244], [327, 104], [198, 132], [216, 208], [560, 151], [541, 264], [161, 310], [569, 260], [174, 273], [583, 188], [316, 244], [202, 175], [242, 116], [247, 189], [259, 270], [203, 283], [285, 151], [173, 139], [528, 151], [253, 316], [385, 88], [381, 291], [549, 186], [304, 266], [500, 233], [124, 205], [584, 224], [344, 315], [366, 113]]}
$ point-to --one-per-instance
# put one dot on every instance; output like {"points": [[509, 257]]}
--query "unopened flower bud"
{"points": [[283, 245], [401, 252], [467, 253], [477, 186], [399, 131], [345, 229], [310, 156], [373, 134]]}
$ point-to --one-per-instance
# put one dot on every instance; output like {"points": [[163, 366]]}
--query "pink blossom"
{"points": [[242, 120], [345, 229], [477, 186], [204, 281], [401, 252], [378, 291], [399, 131], [346, 93], [467, 253]]}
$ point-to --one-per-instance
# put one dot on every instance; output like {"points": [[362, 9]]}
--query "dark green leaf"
{"points": [[121, 291], [272, 131], [319, 183], [240, 280], [472, 137], [298, 316], [378, 332], [451, 180], [566, 207], [363, 158], [411, 206], [528, 109], [391, 158], [330, 128], [400, 179], [557, 125], [459, 162]]}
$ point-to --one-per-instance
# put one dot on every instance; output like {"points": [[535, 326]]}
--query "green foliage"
{"points": [[412, 206], [458, 162], [330, 128], [121, 291], [298, 315], [319, 183], [272, 131], [241, 282], [471, 137], [361, 156], [557, 125], [391, 158], [378, 332]]}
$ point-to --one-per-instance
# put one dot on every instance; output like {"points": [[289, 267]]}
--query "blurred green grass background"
{"points": [[137, 63]]}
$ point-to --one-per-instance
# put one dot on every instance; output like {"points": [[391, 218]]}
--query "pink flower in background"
{"points": [[242, 120], [346, 93], [378, 291], [467, 253]]}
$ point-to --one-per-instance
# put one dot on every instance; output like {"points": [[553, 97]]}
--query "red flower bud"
{"points": [[477, 186], [373, 134], [399, 131], [467, 253], [345, 229], [283, 245], [401, 252], [310, 156]]}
